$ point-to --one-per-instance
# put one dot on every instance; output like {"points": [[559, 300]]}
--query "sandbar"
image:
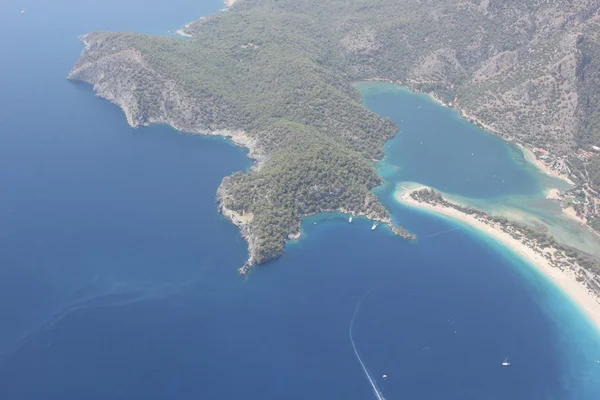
{"points": [[565, 278]]}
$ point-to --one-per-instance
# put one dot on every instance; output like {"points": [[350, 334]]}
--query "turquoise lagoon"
{"points": [[435, 147]]}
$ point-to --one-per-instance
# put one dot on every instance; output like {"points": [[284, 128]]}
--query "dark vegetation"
{"points": [[282, 71], [588, 79], [312, 173], [593, 169]]}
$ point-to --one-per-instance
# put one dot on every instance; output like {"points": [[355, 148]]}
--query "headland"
{"points": [[289, 89]]}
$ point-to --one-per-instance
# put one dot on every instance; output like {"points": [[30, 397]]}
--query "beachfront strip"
{"points": [[576, 272]]}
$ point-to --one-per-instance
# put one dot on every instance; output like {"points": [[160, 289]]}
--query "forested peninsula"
{"points": [[276, 77]]}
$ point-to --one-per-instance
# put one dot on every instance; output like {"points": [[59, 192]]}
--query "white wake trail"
{"points": [[362, 364], [441, 233]]}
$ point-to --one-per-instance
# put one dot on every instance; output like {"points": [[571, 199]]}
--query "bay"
{"points": [[435, 147]]}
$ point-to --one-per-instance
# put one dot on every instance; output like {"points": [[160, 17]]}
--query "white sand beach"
{"points": [[565, 278]]}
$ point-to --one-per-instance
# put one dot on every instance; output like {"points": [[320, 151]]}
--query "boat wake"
{"points": [[441, 233], [100, 295], [372, 382]]}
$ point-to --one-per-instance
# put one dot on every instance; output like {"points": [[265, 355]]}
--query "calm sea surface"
{"points": [[436, 148], [118, 278]]}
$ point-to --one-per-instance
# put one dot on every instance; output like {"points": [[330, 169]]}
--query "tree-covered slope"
{"points": [[277, 76]]}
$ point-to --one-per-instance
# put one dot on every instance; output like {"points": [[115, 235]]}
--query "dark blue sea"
{"points": [[118, 278]]}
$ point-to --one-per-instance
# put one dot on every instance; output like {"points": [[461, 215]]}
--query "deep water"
{"points": [[118, 278]]}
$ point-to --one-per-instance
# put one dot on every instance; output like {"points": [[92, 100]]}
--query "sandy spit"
{"points": [[565, 279]]}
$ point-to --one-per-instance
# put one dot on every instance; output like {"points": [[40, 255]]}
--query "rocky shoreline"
{"points": [[243, 221], [115, 78], [313, 146], [243, 225]]}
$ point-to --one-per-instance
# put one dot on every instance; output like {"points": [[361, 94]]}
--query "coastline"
{"points": [[434, 97], [528, 154], [183, 30], [564, 278], [463, 114], [136, 117], [242, 221], [553, 193], [531, 158]]}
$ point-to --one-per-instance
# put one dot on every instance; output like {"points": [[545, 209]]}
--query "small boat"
{"points": [[384, 376], [505, 363], [22, 11], [373, 227], [350, 219]]}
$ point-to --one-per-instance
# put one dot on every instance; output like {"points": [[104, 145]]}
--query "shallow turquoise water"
{"points": [[437, 148], [118, 278]]}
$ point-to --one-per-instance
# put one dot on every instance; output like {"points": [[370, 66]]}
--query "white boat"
{"points": [[350, 220], [373, 227], [22, 11], [505, 363]]}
